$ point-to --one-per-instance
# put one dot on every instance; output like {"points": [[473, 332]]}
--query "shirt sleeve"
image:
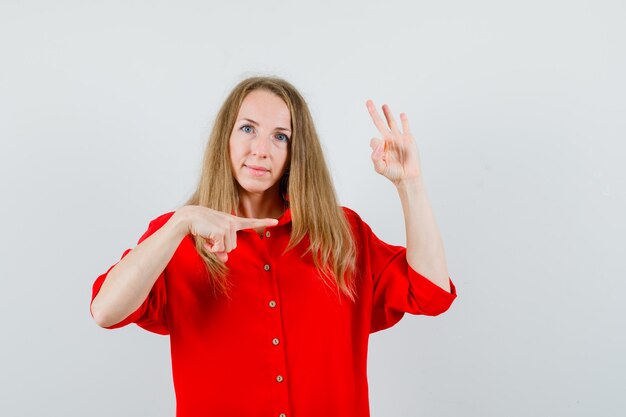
{"points": [[396, 287], [152, 313]]}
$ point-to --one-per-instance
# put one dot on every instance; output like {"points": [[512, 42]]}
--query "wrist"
{"points": [[180, 222], [410, 184]]}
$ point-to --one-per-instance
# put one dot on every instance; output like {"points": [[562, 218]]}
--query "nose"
{"points": [[261, 145]]}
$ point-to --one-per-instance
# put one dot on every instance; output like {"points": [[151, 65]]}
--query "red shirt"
{"points": [[284, 343]]}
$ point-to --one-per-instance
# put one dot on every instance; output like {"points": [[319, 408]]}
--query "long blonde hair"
{"points": [[311, 196]]}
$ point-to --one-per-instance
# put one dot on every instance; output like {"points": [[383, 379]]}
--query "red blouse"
{"points": [[283, 344]]}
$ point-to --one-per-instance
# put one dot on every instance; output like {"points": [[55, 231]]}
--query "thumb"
{"points": [[375, 142], [377, 158], [222, 256]]}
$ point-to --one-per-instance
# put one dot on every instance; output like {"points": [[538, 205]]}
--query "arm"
{"points": [[129, 282], [424, 246], [395, 156]]}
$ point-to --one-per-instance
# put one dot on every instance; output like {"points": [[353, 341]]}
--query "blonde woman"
{"points": [[267, 288]]}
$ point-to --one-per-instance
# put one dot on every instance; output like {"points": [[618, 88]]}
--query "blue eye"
{"points": [[246, 129], [282, 137]]}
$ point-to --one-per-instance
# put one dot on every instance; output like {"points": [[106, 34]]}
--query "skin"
{"points": [[395, 156], [259, 156], [260, 139]]}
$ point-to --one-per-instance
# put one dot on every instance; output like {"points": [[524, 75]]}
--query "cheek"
{"points": [[236, 151], [234, 160], [284, 161]]}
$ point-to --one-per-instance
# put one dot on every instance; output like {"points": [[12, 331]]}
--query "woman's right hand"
{"points": [[218, 228]]}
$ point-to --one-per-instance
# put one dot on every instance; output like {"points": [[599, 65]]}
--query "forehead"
{"points": [[265, 108]]}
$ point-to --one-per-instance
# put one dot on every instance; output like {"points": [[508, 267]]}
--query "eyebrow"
{"points": [[256, 124]]}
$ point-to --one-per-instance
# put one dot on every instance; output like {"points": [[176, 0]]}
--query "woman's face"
{"points": [[259, 142]]}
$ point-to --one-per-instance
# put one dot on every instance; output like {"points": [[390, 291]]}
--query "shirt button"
{"points": [[272, 303], [275, 341], [280, 378], [266, 267], [267, 234]]}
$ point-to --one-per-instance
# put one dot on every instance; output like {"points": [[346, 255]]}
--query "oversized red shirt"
{"points": [[283, 344]]}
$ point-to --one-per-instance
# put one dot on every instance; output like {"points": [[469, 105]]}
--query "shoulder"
{"points": [[355, 220], [350, 214]]}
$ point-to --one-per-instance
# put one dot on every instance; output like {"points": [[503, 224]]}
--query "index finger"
{"points": [[378, 121], [251, 223]]}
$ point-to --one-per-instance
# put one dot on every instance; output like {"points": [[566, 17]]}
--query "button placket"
{"points": [[272, 248]]}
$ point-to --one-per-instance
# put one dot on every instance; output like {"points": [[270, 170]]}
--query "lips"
{"points": [[256, 170]]}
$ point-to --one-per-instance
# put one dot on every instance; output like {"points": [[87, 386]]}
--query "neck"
{"points": [[260, 206]]}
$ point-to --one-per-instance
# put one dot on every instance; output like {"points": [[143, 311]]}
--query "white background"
{"points": [[519, 113]]}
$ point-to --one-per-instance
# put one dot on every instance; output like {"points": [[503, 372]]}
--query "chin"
{"points": [[254, 187]]}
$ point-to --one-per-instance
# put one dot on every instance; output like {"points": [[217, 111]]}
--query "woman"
{"points": [[268, 289]]}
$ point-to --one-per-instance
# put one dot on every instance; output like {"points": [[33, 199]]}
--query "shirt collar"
{"points": [[284, 218]]}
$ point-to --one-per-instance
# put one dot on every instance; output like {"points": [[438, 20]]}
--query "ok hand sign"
{"points": [[395, 156]]}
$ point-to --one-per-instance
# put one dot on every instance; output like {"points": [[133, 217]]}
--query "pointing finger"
{"points": [[246, 223]]}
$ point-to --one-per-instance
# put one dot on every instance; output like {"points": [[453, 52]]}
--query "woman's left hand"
{"points": [[395, 156]]}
